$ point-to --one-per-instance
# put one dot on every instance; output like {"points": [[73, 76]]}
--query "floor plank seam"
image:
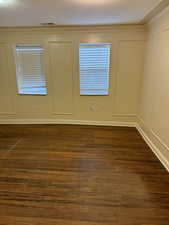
{"points": [[11, 148]]}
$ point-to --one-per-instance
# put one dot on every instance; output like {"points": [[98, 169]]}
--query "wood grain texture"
{"points": [[80, 175]]}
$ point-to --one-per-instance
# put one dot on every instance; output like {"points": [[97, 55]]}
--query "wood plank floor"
{"points": [[80, 175]]}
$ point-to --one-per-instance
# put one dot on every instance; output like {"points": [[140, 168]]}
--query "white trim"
{"points": [[154, 147], [79, 122], [82, 28], [155, 12], [160, 13], [124, 115]]}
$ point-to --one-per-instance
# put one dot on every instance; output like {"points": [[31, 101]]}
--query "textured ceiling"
{"points": [[73, 12]]}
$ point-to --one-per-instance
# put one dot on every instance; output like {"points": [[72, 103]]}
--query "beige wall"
{"points": [[63, 101], [154, 106]]}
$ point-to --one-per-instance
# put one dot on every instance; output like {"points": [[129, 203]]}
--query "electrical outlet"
{"points": [[92, 108]]}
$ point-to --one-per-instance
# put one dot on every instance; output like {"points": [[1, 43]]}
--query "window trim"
{"points": [[14, 46], [96, 44]]}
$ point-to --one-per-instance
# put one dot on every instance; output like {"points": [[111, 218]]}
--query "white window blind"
{"points": [[94, 69], [29, 69]]}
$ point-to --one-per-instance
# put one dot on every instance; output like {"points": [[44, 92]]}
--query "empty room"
{"points": [[84, 112]]}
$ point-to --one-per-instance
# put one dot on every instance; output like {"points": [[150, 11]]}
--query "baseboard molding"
{"points": [[154, 142], [78, 122]]}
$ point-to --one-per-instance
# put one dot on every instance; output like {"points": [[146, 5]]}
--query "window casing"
{"points": [[94, 60], [30, 70]]}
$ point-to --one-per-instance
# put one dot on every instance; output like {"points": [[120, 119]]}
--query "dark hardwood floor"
{"points": [[80, 175]]}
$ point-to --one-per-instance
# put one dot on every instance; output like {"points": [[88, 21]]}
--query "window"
{"points": [[94, 69], [29, 70]]}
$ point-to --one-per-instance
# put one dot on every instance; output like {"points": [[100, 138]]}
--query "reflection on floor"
{"points": [[80, 175]]}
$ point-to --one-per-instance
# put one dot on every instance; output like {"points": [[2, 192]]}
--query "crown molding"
{"points": [[75, 28], [157, 10]]}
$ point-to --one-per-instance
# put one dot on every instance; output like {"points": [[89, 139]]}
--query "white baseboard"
{"points": [[79, 122], [155, 143]]}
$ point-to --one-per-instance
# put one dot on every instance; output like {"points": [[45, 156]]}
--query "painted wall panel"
{"points": [[61, 63], [129, 69], [63, 100], [6, 103], [154, 107]]}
